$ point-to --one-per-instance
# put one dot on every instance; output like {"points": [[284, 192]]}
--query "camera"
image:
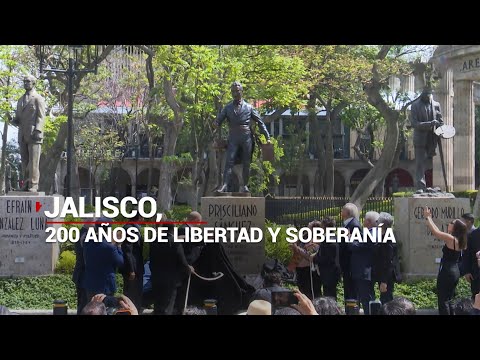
{"points": [[122, 311], [374, 307], [351, 307], [111, 302], [283, 298], [113, 306]]}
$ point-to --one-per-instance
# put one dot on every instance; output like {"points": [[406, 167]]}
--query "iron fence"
{"points": [[299, 211]]}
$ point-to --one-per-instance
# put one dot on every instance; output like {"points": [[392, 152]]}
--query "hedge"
{"points": [[378, 205], [39, 292]]}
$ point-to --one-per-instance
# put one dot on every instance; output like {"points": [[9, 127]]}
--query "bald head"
{"points": [[194, 216], [29, 82]]}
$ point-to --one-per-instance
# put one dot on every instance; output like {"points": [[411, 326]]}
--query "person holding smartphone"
{"points": [[455, 240]]}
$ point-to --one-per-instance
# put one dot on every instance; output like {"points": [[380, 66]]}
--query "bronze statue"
{"points": [[425, 118], [30, 118], [239, 114]]}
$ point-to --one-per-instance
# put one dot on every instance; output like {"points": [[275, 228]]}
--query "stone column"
{"points": [[444, 95], [134, 189], [347, 186], [464, 140], [408, 84]]}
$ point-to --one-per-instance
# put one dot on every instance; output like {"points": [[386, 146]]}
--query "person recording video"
{"points": [[102, 304]]}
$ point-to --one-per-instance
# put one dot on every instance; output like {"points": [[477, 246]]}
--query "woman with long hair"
{"points": [[455, 240]]}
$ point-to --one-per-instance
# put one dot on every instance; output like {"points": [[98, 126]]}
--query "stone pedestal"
{"points": [[23, 250], [238, 212], [420, 251]]}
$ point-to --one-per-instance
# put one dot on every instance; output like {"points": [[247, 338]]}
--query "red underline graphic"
{"points": [[126, 222]]}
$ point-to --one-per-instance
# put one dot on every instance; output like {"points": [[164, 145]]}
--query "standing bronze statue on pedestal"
{"points": [[429, 129], [30, 118], [239, 114]]}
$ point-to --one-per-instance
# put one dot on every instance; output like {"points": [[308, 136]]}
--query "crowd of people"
{"points": [[164, 279], [362, 266]]}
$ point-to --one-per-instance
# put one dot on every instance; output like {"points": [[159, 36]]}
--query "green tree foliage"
{"points": [[389, 60], [97, 146], [13, 66], [193, 82]]}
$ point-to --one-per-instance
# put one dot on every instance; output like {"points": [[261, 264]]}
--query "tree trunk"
{"points": [[356, 148], [391, 116], [212, 178], [329, 156], [167, 168], [150, 166], [195, 174], [75, 193], [193, 198], [300, 175], [50, 160], [172, 130], [320, 150], [382, 166], [4, 158]]}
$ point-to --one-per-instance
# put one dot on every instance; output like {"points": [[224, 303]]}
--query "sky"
{"points": [[12, 133]]}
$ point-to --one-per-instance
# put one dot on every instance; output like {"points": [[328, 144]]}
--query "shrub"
{"points": [[66, 262], [179, 212], [403, 194], [278, 250], [39, 292], [466, 194]]}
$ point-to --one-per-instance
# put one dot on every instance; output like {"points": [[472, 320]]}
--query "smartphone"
{"points": [[374, 307], [122, 312], [111, 302], [283, 298]]}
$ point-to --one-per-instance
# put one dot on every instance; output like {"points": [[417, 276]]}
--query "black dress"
{"points": [[447, 279]]}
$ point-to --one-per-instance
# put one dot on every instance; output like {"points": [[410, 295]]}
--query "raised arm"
{"points": [[446, 237]]}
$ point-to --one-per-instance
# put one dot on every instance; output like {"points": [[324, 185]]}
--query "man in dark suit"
{"points": [[30, 118], [425, 118], [192, 252], [101, 262], [469, 261], [169, 267], [132, 271], [326, 260], [385, 264], [239, 114], [361, 264], [350, 221]]}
